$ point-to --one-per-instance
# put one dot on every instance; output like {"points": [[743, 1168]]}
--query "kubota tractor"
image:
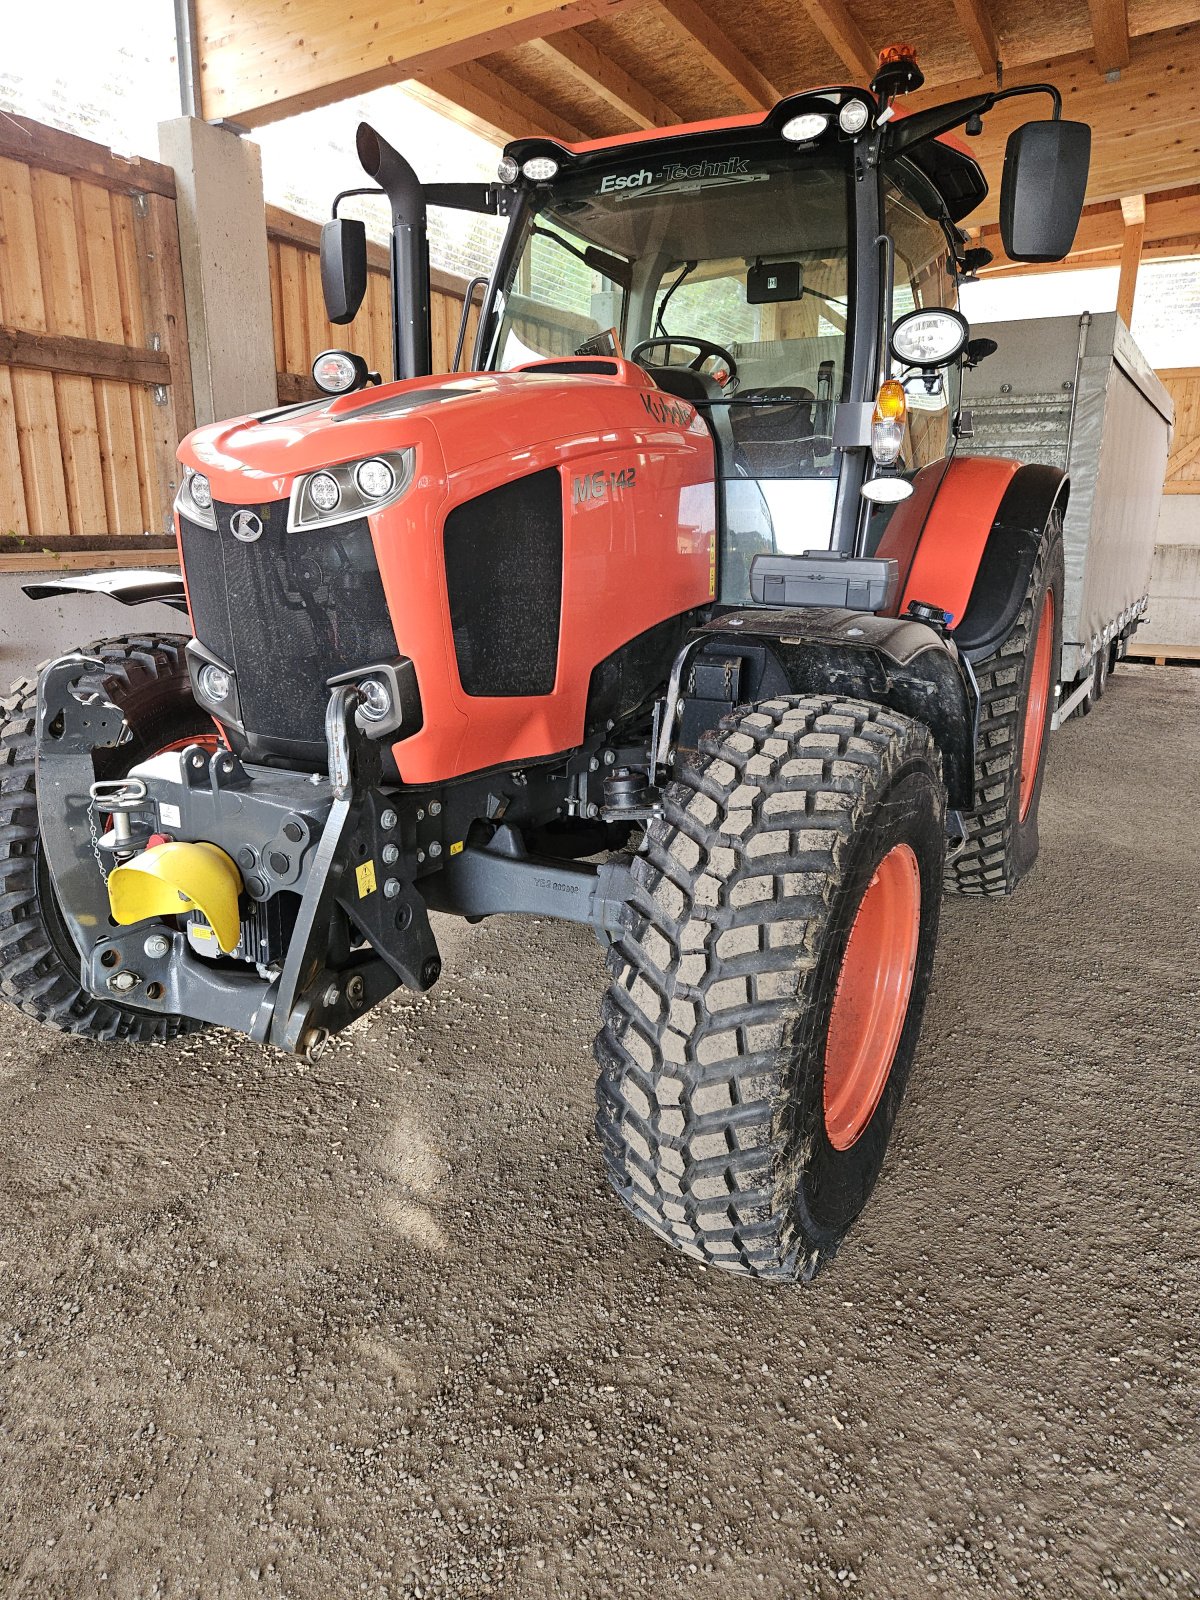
{"points": [[677, 617]]}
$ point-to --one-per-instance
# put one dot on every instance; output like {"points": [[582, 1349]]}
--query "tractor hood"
{"points": [[463, 420]]}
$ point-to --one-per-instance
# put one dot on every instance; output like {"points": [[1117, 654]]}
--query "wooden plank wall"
{"points": [[302, 329], [95, 383], [1183, 464]]}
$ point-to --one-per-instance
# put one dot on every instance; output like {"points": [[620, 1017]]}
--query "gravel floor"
{"points": [[375, 1327]]}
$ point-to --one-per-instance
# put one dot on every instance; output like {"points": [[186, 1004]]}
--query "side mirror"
{"points": [[343, 267], [1041, 192]]}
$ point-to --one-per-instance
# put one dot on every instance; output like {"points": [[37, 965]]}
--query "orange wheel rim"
{"points": [[1037, 704], [206, 741], [871, 1000]]}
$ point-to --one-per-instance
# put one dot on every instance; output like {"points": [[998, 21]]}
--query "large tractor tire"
{"points": [[769, 983], [39, 969], [1016, 688]]}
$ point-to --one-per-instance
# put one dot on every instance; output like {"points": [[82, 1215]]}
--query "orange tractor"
{"points": [[685, 576]]}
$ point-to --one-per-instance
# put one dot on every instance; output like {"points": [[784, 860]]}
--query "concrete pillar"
{"points": [[226, 276]]}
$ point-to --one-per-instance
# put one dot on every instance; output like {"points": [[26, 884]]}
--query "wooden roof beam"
{"points": [[261, 60], [1110, 32], [844, 37], [492, 107], [599, 75], [981, 35], [1133, 210], [720, 54]]}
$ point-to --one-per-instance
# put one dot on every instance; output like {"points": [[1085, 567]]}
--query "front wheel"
{"points": [[147, 679], [768, 987]]}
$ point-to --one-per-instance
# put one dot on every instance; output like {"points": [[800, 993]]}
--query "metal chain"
{"points": [[96, 851]]}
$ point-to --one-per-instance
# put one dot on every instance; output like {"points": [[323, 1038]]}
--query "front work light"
{"points": [[214, 683], [930, 339], [339, 371], [887, 422], [508, 171], [808, 125], [853, 116], [540, 169]]}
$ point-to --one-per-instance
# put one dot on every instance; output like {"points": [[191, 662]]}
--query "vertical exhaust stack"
{"points": [[411, 341]]}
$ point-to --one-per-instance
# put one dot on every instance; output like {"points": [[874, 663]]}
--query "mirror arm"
{"points": [[923, 125], [346, 194]]}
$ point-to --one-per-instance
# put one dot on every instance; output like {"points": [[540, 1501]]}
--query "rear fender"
{"points": [[752, 655], [131, 586]]}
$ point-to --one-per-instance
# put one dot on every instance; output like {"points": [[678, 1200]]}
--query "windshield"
{"points": [[747, 253]]}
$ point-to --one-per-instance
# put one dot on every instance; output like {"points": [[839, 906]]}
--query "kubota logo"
{"points": [[246, 526]]}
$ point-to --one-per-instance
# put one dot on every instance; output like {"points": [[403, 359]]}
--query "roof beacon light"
{"points": [[808, 125], [540, 169], [854, 116], [897, 73], [887, 423]]}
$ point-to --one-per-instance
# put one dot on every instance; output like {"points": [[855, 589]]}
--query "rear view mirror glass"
{"points": [[1041, 193], [343, 267]]}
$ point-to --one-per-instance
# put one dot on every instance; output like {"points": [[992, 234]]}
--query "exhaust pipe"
{"points": [[412, 355]]}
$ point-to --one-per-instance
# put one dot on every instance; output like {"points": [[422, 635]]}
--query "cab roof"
{"points": [[947, 163]]}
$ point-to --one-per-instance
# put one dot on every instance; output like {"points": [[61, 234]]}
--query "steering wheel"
{"points": [[706, 349]]}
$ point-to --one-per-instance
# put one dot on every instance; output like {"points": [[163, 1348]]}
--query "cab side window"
{"points": [[924, 278]]}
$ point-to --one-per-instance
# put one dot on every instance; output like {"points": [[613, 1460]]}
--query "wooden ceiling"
{"points": [[578, 69]]}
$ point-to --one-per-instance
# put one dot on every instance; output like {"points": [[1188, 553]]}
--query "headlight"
{"points": [[323, 491], [349, 490], [194, 500], [375, 478], [930, 339]]}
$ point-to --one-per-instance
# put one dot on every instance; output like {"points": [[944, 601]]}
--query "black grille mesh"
{"points": [[504, 557], [287, 612]]}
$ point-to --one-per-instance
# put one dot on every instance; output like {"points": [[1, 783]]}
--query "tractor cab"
{"points": [[723, 262]]}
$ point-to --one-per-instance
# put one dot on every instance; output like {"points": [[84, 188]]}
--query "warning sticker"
{"points": [[365, 874], [456, 849]]}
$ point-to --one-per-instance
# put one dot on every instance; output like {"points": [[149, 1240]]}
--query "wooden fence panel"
{"points": [[1183, 464], [95, 382]]}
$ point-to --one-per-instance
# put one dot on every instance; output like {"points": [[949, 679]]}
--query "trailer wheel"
{"points": [[1016, 687], [39, 968], [768, 985]]}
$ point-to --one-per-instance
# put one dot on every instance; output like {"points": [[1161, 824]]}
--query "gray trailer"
{"points": [[1076, 392]]}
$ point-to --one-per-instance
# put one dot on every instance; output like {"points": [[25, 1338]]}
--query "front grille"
{"points": [[286, 611]]}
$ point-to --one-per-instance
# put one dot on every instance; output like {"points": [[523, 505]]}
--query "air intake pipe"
{"points": [[411, 340]]}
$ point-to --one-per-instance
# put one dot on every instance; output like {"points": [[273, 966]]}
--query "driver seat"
{"points": [[696, 388], [768, 435]]}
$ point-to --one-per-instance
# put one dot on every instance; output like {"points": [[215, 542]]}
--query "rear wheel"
{"points": [[1016, 688], [39, 968], [768, 987]]}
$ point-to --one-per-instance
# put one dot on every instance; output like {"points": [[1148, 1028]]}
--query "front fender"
{"points": [[131, 586], [966, 541], [751, 655]]}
